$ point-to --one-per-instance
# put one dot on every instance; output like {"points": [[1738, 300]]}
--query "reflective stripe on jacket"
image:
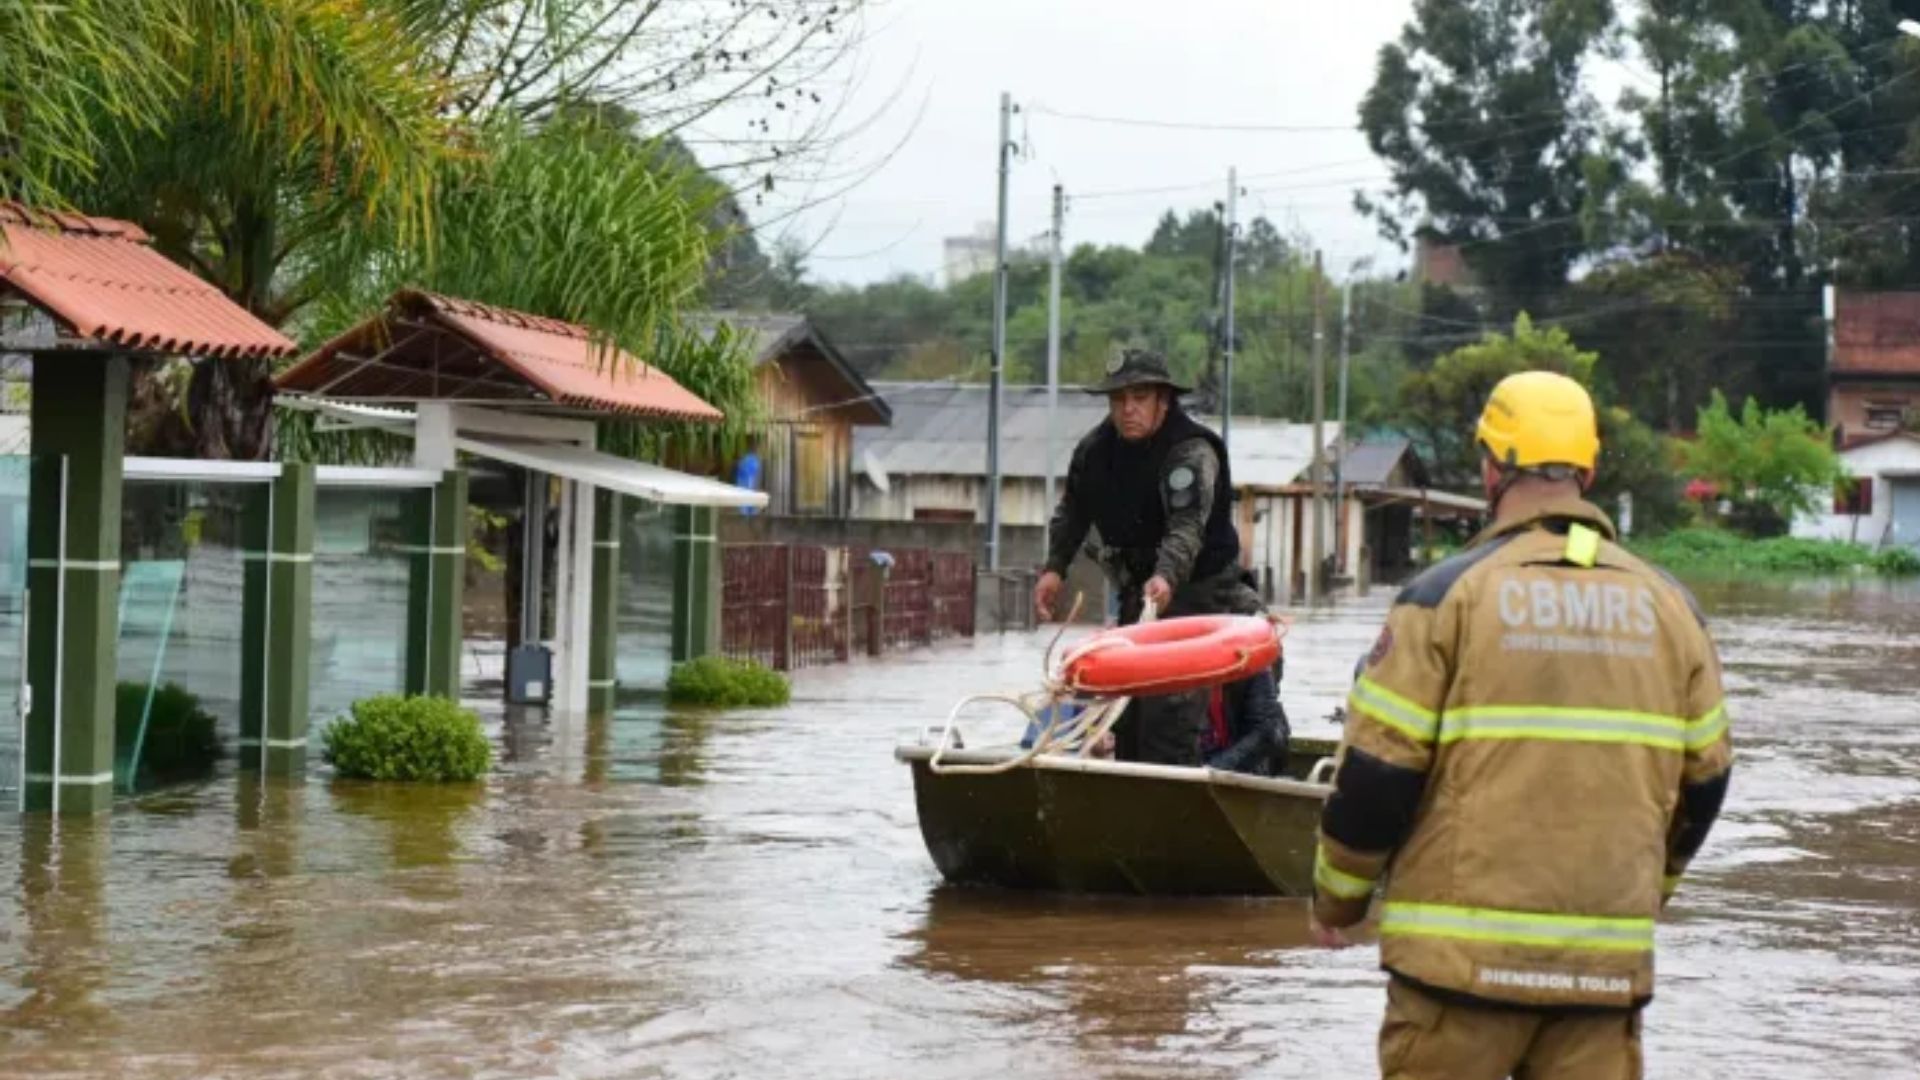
{"points": [[1536, 746]]}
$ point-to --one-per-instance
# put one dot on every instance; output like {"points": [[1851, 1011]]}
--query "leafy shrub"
{"points": [[1717, 549], [181, 742], [1897, 562], [715, 680], [1773, 465], [408, 738]]}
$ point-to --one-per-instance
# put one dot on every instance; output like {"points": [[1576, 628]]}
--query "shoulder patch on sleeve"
{"points": [[1180, 478], [1433, 584]]}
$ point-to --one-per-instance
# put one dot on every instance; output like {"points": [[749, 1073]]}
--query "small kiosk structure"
{"points": [[458, 377], [83, 297]]}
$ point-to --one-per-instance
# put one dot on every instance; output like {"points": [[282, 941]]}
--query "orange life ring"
{"points": [[1172, 655]]}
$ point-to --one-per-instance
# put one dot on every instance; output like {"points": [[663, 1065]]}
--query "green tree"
{"points": [[1441, 405], [601, 234], [1490, 139], [1772, 464], [288, 122], [1662, 324]]}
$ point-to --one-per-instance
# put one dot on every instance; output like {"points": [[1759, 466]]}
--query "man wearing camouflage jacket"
{"points": [[1155, 485]]}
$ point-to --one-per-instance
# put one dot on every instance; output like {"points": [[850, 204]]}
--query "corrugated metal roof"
{"points": [[403, 354], [766, 333], [940, 429], [1371, 463], [101, 278], [1877, 333], [1272, 453]]}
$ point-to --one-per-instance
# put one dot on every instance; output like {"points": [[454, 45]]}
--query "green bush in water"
{"points": [[1900, 561], [181, 742], [1719, 550], [715, 680], [408, 738]]}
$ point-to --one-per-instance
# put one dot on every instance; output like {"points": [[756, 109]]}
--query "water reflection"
{"points": [[62, 957], [1129, 971], [682, 893], [422, 822]]}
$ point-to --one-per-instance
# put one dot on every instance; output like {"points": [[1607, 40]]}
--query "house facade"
{"points": [[1873, 366], [813, 400], [1880, 506]]}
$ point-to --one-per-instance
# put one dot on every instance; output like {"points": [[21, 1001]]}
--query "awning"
{"points": [[349, 416], [653, 482], [1465, 504]]}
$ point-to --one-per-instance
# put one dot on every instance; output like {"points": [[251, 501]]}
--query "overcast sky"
{"points": [[943, 63]]}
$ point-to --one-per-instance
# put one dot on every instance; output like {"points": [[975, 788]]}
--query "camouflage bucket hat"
{"points": [[1136, 367]]}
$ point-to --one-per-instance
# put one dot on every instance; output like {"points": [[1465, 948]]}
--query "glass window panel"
{"points": [[644, 618], [14, 474], [360, 580], [181, 591]]}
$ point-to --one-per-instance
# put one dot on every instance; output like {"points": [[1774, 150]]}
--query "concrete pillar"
{"points": [[73, 580], [696, 583], [437, 586], [277, 623], [603, 647]]}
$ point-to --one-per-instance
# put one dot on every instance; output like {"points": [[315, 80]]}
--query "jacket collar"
{"points": [[1554, 512]]}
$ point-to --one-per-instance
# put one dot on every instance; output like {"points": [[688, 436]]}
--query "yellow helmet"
{"points": [[1539, 418]]}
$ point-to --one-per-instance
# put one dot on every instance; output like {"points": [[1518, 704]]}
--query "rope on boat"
{"points": [[1086, 729], [1079, 734]]}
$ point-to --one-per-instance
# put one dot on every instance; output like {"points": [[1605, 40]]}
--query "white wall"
{"points": [[1022, 500], [1871, 461]]}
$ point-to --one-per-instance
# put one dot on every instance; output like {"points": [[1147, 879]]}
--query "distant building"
{"points": [[1873, 370], [814, 401], [1442, 264], [931, 465], [968, 256]]}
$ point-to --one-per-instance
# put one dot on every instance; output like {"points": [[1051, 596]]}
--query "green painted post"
{"points": [[256, 538], [73, 578], [277, 622], [602, 650], [289, 561], [437, 586], [696, 583]]}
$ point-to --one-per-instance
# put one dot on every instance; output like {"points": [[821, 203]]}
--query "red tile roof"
{"points": [[396, 356], [1877, 333], [100, 278]]}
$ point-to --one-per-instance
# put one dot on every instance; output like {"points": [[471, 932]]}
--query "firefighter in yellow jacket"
{"points": [[1535, 747]]}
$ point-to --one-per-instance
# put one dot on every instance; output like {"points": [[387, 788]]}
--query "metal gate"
{"points": [[1906, 511]]}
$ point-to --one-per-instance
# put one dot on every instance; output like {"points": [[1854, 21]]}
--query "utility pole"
{"points": [[999, 338], [1053, 344], [1317, 547], [1346, 437], [1226, 382]]}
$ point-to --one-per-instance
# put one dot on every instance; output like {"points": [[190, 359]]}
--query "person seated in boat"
{"points": [[1247, 730]]}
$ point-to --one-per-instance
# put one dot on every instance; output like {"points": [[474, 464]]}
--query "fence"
{"points": [[803, 605]]}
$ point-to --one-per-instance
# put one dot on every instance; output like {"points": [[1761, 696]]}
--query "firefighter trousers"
{"points": [[1425, 1038]]}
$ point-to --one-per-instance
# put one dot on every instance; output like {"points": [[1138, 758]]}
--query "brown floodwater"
{"points": [[713, 895]]}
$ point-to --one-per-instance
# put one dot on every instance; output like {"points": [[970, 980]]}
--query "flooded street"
{"points": [[696, 895]]}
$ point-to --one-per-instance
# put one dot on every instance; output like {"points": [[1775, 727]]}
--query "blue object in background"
{"points": [[746, 474], [1067, 710]]}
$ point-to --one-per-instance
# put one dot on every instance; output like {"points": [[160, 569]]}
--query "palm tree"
{"points": [[289, 121], [64, 66]]}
